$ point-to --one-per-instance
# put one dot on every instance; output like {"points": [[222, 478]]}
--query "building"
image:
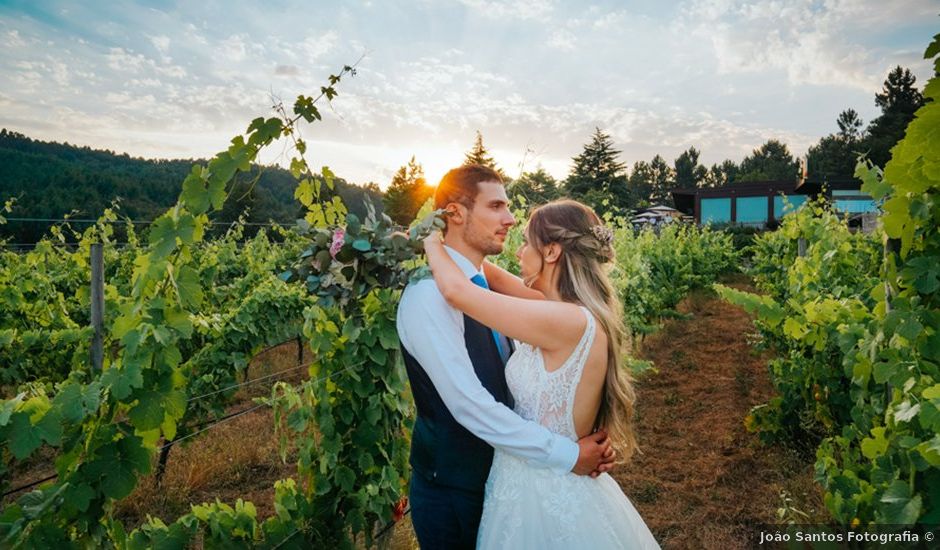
{"points": [[764, 203]]}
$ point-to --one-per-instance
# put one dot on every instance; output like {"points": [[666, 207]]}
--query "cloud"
{"points": [[811, 42], [538, 10], [122, 60], [314, 47], [234, 48], [562, 39], [161, 43], [286, 70]]}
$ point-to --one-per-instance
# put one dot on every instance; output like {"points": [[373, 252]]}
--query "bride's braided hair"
{"points": [[586, 245]]}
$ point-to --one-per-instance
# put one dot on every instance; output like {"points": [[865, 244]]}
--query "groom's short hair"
{"points": [[460, 185]]}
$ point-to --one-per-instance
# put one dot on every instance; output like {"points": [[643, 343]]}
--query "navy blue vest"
{"points": [[442, 450]]}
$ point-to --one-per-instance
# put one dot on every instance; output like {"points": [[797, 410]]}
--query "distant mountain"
{"points": [[52, 179]]}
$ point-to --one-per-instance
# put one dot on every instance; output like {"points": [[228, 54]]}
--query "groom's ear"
{"points": [[456, 213]]}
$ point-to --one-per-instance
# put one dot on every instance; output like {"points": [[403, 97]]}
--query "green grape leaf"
{"points": [[178, 320], [194, 191], [898, 506], [49, 427], [23, 438], [190, 290], [875, 446], [148, 413], [163, 236], [923, 273], [345, 478], [122, 381]]}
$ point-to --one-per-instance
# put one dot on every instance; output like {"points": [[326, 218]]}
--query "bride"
{"points": [[567, 375]]}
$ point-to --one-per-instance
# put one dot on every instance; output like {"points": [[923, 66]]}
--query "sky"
{"points": [[169, 79]]}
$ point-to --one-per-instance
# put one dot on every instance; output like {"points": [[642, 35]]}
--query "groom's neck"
{"points": [[468, 251]]}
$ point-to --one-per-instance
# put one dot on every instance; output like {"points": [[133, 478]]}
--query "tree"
{"points": [[661, 180], [537, 187], [721, 174], [407, 193], [479, 154], [640, 185], [899, 99], [689, 173], [850, 125], [598, 175], [772, 161], [835, 156]]}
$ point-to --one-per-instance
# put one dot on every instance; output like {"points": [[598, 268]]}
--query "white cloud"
{"points": [[562, 39], [122, 60], [314, 47], [538, 10], [811, 42], [161, 43], [234, 48]]}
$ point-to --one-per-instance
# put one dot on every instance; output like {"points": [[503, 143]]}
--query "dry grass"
{"points": [[235, 459]]}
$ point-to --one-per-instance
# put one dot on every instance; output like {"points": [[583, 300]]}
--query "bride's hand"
{"points": [[434, 238]]}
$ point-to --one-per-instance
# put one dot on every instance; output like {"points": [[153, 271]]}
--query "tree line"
{"points": [[51, 180], [598, 177]]}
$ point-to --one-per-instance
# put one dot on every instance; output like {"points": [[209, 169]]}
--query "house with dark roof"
{"points": [[764, 203]]}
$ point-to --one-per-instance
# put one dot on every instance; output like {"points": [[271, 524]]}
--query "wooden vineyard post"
{"points": [[97, 307]]}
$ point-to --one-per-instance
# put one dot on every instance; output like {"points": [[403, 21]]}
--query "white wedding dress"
{"points": [[528, 506]]}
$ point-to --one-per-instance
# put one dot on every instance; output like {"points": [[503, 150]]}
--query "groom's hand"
{"points": [[595, 455]]}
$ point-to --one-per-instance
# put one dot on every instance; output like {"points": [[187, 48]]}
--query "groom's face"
{"points": [[489, 220]]}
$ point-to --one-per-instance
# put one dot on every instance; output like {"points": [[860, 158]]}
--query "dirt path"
{"points": [[702, 480]]}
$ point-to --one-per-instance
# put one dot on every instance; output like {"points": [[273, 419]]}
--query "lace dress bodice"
{"points": [[548, 397]]}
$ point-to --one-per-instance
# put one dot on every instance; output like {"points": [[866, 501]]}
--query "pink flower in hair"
{"points": [[338, 237]]}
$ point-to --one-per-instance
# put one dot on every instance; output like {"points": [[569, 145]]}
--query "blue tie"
{"points": [[481, 282]]}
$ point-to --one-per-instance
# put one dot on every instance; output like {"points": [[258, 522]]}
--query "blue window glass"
{"points": [[792, 203], [716, 210], [857, 206], [848, 193], [751, 210]]}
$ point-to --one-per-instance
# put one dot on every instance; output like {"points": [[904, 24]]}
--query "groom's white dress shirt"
{"points": [[433, 333]]}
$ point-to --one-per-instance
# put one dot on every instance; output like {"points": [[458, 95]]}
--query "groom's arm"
{"points": [[432, 333]]}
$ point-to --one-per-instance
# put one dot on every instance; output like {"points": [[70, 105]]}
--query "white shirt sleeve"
{"points": [[432, 332]]}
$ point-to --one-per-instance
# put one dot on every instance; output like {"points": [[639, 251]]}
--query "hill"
{"points": [[50, 180]]}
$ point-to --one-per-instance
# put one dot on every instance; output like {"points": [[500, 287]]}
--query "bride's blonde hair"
{"points": [[586, 246]]}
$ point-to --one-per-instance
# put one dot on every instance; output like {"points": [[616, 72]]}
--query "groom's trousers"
{"points": [[444, 517]]}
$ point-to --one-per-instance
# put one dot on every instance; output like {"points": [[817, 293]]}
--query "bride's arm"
{"points": [[504, 282], [546, 324]]}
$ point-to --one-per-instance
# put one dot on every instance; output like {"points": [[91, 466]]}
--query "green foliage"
{"points": [[407, 192], [597, 175], [771, 161], [479, 154], [860, 333]]}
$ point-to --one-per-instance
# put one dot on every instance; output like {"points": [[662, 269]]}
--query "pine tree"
{"points": [[407, 193], [899, 99], [479, 154], [662, 179], [689, 173], [598, 175], [850, 125]]}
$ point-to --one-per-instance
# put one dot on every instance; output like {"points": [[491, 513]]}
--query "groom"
{"points": [[456, 369]]}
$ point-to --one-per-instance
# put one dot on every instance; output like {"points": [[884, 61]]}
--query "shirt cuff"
{"points": [[564, 455]]}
